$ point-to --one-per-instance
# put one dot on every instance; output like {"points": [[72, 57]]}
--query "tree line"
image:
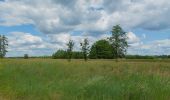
{"points": [[112, 47]]}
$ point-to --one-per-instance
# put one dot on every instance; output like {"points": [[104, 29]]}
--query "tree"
{"points": [[60, 54], [3, 45], [101, 49], [85, 48], [93, 54], [77, 55], [26, 56], [118, 41], [70, 45]]}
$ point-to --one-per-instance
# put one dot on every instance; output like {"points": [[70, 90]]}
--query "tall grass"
{"points": [[47, 79]]}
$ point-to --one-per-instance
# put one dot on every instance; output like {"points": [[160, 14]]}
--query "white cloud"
{"points": [[24, 38], [63, 38], [21, 43], [60, 16], [132, 38], [157, 47], [25, 43]]}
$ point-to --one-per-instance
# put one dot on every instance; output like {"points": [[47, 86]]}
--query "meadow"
{"points": [[57, 79]]}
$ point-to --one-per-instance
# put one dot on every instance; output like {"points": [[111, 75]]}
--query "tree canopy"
{"points": [[101, 49], [70, 46], [85, 48], [118, 41]]}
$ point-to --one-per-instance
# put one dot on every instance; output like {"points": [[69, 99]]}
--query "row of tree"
{"points": [[113, 47], [101, 49]]}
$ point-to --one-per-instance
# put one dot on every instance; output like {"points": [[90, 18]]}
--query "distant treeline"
{"points": [[79, 55], [61, 54], [147, 57], [114, 47], [101, 49], [30, 57]]}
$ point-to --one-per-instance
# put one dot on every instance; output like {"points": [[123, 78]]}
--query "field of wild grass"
{"points": [[47, 79]]}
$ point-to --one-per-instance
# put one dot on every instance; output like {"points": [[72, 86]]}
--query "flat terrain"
{"points": [[48, 79]]}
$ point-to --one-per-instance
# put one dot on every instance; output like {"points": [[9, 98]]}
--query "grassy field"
{"points": [[47, 79]]}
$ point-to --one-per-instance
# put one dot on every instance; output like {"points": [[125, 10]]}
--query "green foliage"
{"points": [[77, 55], [147, 57], [85, 48], [3, 45], [101, 49], [139, 57], [26, 56], [60, 54], [70, 46], [118, 41]]}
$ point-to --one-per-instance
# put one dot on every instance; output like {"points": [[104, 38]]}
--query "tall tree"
{"points": [[101, 49], [70, 46], [3, 45], [85, 48], [118, 41], [26, 56]]}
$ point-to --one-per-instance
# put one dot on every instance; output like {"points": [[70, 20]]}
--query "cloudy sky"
{"points": [[40, 27]]}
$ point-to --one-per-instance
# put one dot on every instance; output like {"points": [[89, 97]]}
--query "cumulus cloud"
{"points": [[57, 16], [58, 19], [63, 38], [132, 38], [21, 43], [157, 47], [24, 38]]}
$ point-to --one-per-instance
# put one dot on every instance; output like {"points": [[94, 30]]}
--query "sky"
{"points": [[40, 27]]}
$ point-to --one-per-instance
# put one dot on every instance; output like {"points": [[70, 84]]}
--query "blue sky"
{"points": [[40, 27]]}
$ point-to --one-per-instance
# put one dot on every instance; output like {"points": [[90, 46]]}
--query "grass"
{"points": [[48, 79]]}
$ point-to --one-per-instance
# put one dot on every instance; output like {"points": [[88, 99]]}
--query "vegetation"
{"points": [[48, 79], [77, 55], [85, 48], [3, 45], [147, 57], [60, 54], [26, 56], [118, 42], [101, 49], [70, 49]]}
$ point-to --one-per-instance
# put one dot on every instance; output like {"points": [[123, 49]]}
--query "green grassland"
{"points": [[48, 79]]}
